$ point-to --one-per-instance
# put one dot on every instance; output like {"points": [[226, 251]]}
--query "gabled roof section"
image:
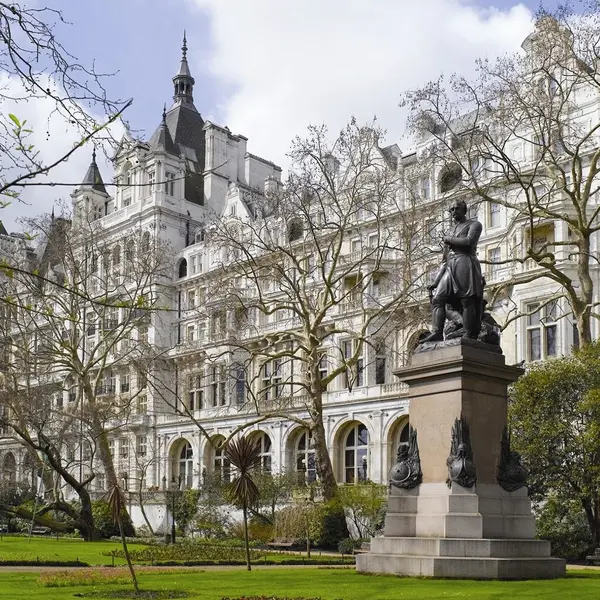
{"points": [[93, 178]]}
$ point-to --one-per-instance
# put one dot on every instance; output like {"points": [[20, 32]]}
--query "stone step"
{"points": [[461, 567], [460, 547]]}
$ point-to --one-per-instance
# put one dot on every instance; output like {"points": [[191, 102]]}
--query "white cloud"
{"points": [[297, 62], [52, 136]]}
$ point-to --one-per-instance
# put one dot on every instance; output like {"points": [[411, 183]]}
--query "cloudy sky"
{"points": [[268, 68]]}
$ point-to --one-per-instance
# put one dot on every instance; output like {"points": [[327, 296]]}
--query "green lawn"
{"points": [[47, 549], [329, 584]]}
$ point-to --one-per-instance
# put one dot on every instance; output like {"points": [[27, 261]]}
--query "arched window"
{"points": [[9, 468], [182, 271], [186, 466], [305, 458], [126, 174], [221, 464], [145, 246], [356, 454], [450, 177], [266, 457]]}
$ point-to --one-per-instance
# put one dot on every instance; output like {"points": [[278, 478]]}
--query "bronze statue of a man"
{"points": [[459, 281]]}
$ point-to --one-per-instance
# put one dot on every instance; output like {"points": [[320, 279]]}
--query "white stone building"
{"points": [[192, 171]]}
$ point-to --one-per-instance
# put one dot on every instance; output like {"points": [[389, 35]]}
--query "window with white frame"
{"points": [[542, 330], [142, 404], [111, 447], [169, 183], [190, 332], [221, 464], [216, 385], [272, 375], [141, 445], [266, 452], [186, 466], [323, 369], [354, 375], [124, 382], [494, 215], [196, 392], [240, 384], [151, 181], [305, 458], [493, 258], [356, 454], [191, 299], [123, 448], [194, 264]]}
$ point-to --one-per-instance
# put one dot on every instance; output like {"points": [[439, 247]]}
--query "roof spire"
{"points": [[184, 82], [93, 178]]}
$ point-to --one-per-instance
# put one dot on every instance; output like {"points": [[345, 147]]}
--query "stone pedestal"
{"points": [[483, 532]]}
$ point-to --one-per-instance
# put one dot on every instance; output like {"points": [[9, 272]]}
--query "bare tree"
{"points": [[308, 286], [40, 68], [76, 330], [522, 137]]}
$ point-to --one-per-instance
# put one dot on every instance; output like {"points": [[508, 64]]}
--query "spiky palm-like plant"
{"points": [[116, 501], [244, 455]]}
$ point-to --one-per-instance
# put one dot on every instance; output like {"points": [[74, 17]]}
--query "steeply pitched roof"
{"points": [[161, 139], [93, 178]]}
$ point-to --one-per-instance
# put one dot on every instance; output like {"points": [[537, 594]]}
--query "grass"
{"points": [[328, 584], [63, 549]]}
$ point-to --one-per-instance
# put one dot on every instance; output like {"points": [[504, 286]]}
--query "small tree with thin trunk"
{"points": [[116, 501], [244, 455]]}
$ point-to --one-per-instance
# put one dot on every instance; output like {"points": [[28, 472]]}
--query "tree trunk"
{"points": [[143, 510], [246, 540], [127, 557], [583, 310], [323, 461]]}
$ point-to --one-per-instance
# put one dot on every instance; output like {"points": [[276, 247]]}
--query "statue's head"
{"points": [[458, 210]]}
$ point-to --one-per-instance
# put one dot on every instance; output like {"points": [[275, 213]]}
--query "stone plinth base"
{"points": [[484, 511], [461, 558]]}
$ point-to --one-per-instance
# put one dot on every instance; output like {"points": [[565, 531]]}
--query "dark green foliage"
{"points": [[348, 545], [186, 508], [565, 526], [103, 520], [335, 528], [554, 414]]}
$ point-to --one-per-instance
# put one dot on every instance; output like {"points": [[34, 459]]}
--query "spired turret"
{"points": [[91, 200]]}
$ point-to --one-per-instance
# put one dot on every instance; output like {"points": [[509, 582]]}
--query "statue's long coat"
{"points": [[462, 272]]}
